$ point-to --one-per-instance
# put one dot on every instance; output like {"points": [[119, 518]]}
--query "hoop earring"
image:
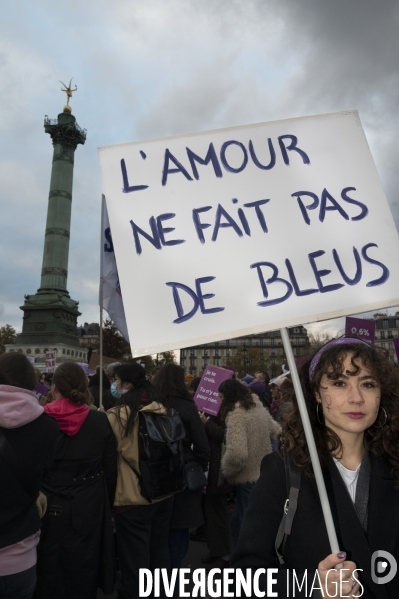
{"points": [[385, 421], [318, 414]]}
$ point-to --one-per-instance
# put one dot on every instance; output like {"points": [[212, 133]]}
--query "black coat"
{"points": [[94, 387], [187, 511], [75, 554], [34, 444], [216, 430], [308, 543]]}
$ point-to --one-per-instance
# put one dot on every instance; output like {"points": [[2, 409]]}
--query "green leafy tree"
{"points": [[148, 362], [251, 361], [316, 340], [114, 345], [7, 335], [165, 357], [151, 361]]}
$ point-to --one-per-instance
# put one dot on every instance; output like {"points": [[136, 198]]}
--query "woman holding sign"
{"points": [[352, 394]]}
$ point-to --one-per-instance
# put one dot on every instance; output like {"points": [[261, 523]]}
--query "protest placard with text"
{"points": [[50, 361], [360, 327], [238, 231], [207, 397]]}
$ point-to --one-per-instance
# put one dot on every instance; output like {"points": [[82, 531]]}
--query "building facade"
{"points": [[89, 335], [263, 348], [386, 329]]}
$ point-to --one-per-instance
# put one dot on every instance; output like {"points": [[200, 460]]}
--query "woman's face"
{"points": [[122, 387], [275, 391], [350, 403]]}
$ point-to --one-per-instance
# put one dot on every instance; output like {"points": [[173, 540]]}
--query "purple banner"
{"points": [[207, 397], [359, 327]]}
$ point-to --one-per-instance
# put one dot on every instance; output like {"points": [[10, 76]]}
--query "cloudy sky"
{"points": [[152, 68]]}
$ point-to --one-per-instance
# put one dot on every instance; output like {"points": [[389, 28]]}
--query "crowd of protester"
{"points": [[73, 512]]}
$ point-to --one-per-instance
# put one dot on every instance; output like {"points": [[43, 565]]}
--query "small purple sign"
{"points": [[361, 328], [40, 390], [207, 397]]}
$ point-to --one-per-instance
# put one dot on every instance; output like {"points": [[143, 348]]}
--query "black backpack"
{"points": [[161, 456]]}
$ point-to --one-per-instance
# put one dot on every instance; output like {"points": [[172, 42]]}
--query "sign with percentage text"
{"points": [[359, 327]]}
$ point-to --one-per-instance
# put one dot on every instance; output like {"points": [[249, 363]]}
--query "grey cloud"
{"points": [[149, 68]]}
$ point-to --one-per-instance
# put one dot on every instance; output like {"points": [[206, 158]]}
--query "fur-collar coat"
{"points": [[248, 434]]}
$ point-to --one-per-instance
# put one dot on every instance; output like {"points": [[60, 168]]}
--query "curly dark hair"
{"points": [[381, 438], [233, 392]]}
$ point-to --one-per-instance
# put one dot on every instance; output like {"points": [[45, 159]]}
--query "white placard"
{"points": [[287, 223], [51, 357]]}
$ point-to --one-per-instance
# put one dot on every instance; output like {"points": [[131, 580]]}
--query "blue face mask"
{"points": [[115, 391]]}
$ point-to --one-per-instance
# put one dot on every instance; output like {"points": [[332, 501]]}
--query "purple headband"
{"points": [[333, 343]]}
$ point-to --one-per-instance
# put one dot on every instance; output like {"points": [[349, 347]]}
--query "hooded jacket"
{"points": [[248, 435], [69, 416], [77, 537], [32, 435], [127, 487]]}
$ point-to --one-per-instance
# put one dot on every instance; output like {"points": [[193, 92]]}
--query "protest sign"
{"points": [[40, 390], [50, 361], [207, 398], [238, 231], [85, 368], [360, 327]]}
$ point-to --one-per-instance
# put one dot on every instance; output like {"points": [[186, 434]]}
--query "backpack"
{"points": [[293, 483], [161, 456]]}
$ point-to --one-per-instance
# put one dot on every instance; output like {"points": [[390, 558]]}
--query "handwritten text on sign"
{"points": [[239, 231], [50, 361]]}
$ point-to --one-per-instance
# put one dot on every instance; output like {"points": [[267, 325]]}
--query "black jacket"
{"points": [[77, 540], [215, 429], [308, 543], [94, 387], [34, 444], [187, 511]]}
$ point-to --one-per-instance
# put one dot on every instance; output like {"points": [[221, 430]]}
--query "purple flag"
{"points": [[207, 396], [361, 328]]}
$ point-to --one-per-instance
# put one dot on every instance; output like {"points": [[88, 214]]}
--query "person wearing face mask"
{"points": [[142, 528], [351, 390]]}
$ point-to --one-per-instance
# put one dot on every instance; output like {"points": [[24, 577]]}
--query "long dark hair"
{"points": [[71, 382], [134, 374], [381, 438], [233, 392], [169, 383]]}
